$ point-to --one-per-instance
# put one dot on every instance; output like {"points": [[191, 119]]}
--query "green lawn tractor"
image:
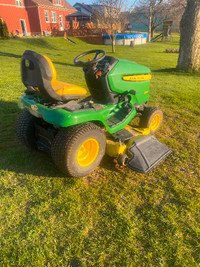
{"points": [[77, 130]]}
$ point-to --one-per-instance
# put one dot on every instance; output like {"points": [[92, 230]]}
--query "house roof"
{"points": [[78, 14], [48, 3], [86, 7]]}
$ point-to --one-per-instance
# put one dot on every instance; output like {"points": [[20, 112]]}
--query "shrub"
{"points": [[1, 27], [4, 33]]}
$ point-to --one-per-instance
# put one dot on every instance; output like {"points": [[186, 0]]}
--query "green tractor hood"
{"points": [[126, 76]]}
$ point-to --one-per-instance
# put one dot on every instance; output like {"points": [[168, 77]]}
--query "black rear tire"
{"points": [[66, 149], [25, 129]]}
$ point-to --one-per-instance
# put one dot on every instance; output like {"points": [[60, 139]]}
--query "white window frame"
{"points": [[58, 2], [19, 3], [46, 14], [61, 17], [24, 25], [53, 17]]}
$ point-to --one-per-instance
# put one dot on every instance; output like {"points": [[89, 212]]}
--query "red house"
{"points": [[31, 17]]}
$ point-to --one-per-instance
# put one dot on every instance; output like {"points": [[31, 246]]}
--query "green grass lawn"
{"points": [[113, 217]]}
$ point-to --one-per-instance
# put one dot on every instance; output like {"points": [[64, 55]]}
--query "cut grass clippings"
{"points": [[114, 216]]}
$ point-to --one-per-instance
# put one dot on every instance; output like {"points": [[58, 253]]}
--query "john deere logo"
{"points": [[137, 78], [34, 107]]}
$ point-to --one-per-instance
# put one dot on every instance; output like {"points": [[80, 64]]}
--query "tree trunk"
{"points": [[190, 37], [113, 43], [150, 22], [152, 32]]}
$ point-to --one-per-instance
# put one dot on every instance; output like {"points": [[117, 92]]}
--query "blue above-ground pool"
{"points": [[126, 38]]}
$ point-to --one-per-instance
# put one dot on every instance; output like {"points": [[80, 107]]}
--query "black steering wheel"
{"points": [[92, 62]]}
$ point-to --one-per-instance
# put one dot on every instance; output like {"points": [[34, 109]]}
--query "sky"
{"points": [[72, 2]]}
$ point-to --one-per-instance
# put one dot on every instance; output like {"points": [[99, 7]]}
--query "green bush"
{"points": [[1, 27], [4, 33]]}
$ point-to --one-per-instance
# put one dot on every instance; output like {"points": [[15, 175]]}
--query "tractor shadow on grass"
{"points": [[15, 157], [110, 164]]}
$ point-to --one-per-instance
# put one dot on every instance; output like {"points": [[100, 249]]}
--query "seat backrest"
{"points": [[39, 72]]}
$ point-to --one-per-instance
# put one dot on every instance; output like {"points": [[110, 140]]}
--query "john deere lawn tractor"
{"points": [[78, 131]]}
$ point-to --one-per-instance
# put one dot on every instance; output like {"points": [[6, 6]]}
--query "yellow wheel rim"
{"points": [[88, 152], [155, 123]]}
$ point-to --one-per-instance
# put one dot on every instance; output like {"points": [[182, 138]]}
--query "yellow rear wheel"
{"points": [[88, 152]]}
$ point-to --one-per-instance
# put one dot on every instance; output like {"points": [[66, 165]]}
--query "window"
{"points": [[46, 14], [53, 17], [18, 2], [58, 2]]}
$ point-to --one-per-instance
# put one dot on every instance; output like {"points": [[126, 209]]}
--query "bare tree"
{"points": [[151, 13], [190, 37], [109, 17], [176, 9]]}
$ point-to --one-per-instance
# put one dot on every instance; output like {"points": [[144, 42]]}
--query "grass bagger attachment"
{"points": [[77, 130]]}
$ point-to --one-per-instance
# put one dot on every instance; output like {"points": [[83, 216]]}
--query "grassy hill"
{"points": [[113, 217]]}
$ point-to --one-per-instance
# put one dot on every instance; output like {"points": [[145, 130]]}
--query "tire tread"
{"points": [[63, 145]]}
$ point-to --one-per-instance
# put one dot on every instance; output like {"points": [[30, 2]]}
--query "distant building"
{"points": [[83, 14], [91, 14], [84, 9], [31, 17], [139, 23]]}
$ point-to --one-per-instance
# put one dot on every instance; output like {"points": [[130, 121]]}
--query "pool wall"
{"points": [[127, 39]]}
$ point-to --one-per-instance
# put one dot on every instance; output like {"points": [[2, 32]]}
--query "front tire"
{"points": [[78, 150], [151, 118]]}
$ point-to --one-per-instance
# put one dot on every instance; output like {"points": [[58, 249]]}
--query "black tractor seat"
{"points": [[39, 73]]}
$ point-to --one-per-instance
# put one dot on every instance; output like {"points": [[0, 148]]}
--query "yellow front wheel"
{"points": [[155, 122], [78, 150], [151, 118]]}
